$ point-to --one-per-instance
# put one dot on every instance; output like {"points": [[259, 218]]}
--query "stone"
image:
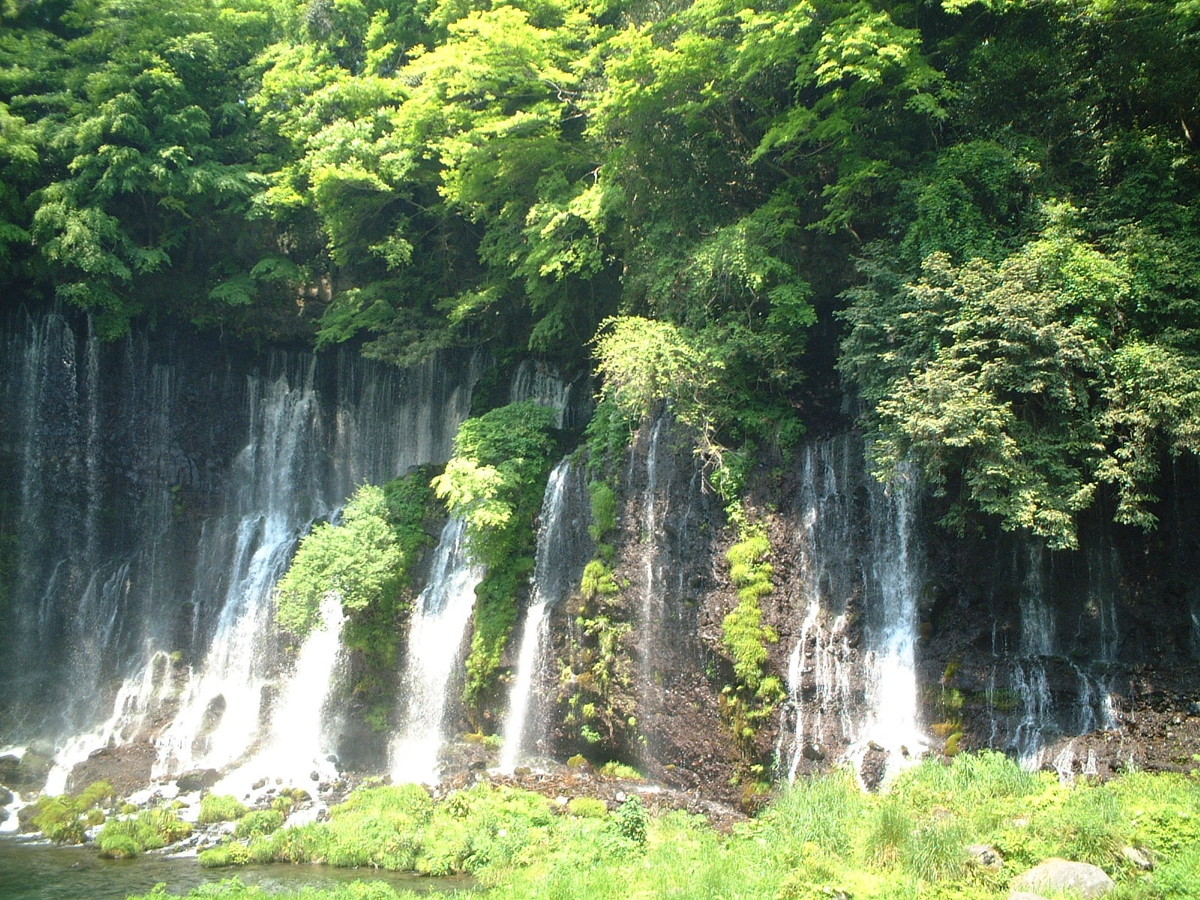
{"points": [[35, 766], [1139, 857], [10, 768], [1061, 875], [6, 796], [197, 780], [986, 856]]}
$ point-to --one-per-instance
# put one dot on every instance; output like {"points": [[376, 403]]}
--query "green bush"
{"points": [[228, 854], [258, 822], [118, 846], [632, 821], [358, 559], [587, 807], [220, 808], [495, 481], [65, 819]]}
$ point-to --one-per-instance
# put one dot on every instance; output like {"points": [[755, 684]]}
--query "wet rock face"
{"points": [[28, 771]]}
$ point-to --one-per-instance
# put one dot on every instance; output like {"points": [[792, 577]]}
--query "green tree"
{"points": [[359, 559], [495, 481]]}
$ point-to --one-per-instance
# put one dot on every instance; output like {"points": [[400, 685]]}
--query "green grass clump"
{"points": [[587, 807], [65, 819], [614, 769], [818, 839], [258, 823], [152, 829], [220, 808]]}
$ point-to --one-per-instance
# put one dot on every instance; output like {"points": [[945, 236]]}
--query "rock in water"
{"points": [[1084, 879]]}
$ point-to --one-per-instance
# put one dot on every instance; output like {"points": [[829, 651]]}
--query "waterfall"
{"points": [[299, 746], [857, 545], [1029, 679], [159, 489], [1058, 696], [439, 624], [553, 578], [137, 699], [893, 720], [221, 713], [818, 678], [652, 602]]}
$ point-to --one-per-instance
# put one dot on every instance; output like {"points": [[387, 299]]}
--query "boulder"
{"points": [[197, 780], [986, 856], [35, 767], [10, 768], [6, 796], [1139, 857], [1086, 880]]}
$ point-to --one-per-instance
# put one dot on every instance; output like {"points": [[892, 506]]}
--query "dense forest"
{"points": [[979, 216]]}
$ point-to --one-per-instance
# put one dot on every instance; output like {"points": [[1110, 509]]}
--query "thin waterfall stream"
{"points": [[435, 639], [549, 586]]}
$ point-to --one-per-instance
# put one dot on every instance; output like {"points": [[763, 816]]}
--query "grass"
{"points": [[818, 839]]}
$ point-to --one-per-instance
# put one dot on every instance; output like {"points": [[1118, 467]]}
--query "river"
{"points": [[43, 872]]}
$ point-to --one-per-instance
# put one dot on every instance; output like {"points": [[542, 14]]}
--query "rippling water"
{"points": [[39, 872]]}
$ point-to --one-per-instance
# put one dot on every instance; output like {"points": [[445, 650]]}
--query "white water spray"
{"points": [[298, 748], [534, 629], [435, 638]]}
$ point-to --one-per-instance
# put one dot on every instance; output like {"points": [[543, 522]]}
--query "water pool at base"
{"points": [[41, 872]]}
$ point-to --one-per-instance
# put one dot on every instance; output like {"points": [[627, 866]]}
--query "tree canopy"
{"points": [[987, 205]]}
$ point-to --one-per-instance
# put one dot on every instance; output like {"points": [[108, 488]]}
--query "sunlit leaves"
{"points": [[998, 370], [358, 560], [645, 362]]}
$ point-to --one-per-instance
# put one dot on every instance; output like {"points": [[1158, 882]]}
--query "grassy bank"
{"points": [[820, 839]]}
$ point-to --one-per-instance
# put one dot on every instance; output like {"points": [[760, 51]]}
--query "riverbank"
{"points": [[970, 829]]}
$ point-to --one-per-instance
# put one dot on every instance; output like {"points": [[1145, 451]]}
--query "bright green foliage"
{"points": [[220, 808], [148, 179], [599, 666], [645, 362], [744, 635], [495, 481], [148, 830], [817, 839], [1014, 387], [587, 807], [257, 823], [359, 560], [65, 818], [754, 695]]}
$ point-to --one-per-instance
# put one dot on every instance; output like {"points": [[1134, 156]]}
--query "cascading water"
{"points": [[159, 490], [1042, 675], [818, 680], [300, 746], [841, 565], [562, 546], [652, 601], [436, 632], [1029, 678], [221, 713], [893, 721]]}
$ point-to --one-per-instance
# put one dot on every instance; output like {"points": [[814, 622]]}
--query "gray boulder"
{"points": [[1088, 881], [1139, 857]]}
